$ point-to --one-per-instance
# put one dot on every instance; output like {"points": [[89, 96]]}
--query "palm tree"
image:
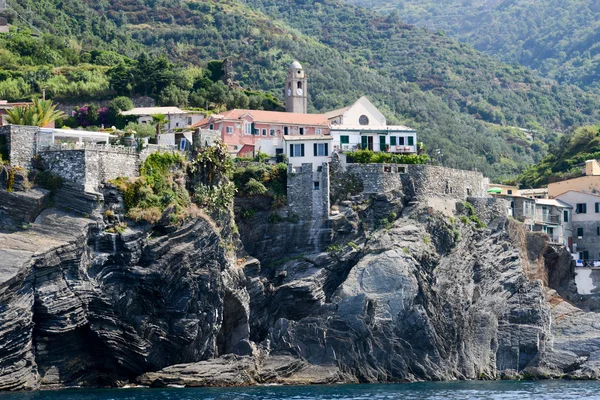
{"points": [[159, 120], [39, 113]]}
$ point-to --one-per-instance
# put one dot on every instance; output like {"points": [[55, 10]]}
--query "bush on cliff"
{"points": [[160, 187], [370, 157], [251, 180]]}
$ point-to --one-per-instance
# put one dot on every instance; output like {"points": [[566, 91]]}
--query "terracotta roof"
{"points": [[274, 117], [336, 113]]}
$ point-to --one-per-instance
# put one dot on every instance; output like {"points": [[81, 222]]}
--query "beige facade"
{"points": [[507, 190], [588, 183]]}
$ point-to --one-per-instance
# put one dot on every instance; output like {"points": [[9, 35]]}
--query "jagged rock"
{"points": [[231, 370]]}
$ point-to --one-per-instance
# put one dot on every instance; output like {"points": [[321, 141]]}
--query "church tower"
{"points": [[296, 89]]}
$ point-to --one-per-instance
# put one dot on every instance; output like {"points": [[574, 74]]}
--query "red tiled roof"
{"points": [[273, 117]]}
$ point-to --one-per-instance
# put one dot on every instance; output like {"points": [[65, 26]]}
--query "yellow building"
{"points": [[506, 190], [589, 183]]}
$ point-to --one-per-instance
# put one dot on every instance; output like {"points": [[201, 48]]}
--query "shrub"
{"points": [[48, 180], [248, 214], [255, 188], [274, 218]]}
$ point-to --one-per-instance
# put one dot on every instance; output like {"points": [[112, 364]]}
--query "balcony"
{"points": [[547, 219]]}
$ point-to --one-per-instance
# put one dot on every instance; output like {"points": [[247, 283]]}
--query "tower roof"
{"points": [[296, 65]]}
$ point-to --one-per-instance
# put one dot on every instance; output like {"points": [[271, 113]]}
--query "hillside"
{"points": [[558, 38], [460, 100], [566, 159]]}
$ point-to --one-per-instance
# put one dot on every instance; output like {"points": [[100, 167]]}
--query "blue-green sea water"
{"points": [[558, 390]]}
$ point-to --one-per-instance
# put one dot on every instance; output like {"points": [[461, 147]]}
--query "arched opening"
{"points": [[299, 85]]}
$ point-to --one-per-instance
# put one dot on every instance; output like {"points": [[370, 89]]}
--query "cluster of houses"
{"points": [[568, 211], [308, 138]]}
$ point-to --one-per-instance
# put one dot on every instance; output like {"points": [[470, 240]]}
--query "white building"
{"points": [[585, 223], [313, 149], [177, 117], [363, 126]]}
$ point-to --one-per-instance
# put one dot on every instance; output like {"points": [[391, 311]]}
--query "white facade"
{"points": [[363, 126], [177, 117], [585, 222], [307, 149]]}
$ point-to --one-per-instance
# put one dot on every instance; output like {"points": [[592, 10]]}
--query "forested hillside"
{"points": [[566, 159], [559, 38], [461, 101]]}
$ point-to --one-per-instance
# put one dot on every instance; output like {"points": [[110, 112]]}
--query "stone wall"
{"points": [[21, 142], [299, 190], [378, 178], [427, 181], [88, 168]]}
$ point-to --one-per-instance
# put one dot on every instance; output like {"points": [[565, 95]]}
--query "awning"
{"points": [[494, 190]]}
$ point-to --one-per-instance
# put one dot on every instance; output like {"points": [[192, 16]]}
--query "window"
{"points": [[509, 191], [319, 131], [299, 83], [257, 131], [584, 255], [296, 150], [316, 185], [229, 129], [411, 141], [302, 131], [581, 208], [344, 139], [177, 124], [189, 120], [363, 120], [402, 170], [264, 132], [598, 231], [392, 140], [248, 128], [211, 127], [566, 216], [272, 132], [579, 232], [321, 149], [597, 208], [401, 140], [286, 130]]}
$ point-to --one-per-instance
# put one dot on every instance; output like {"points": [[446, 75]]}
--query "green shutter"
{"points": [[382, 145], [566, 216], [411, 141], [597, 205], [302, 150], [291, 150], [364, 142], [344, 139], [253, 132], [315, 147], [392, 140], [326, 149]]}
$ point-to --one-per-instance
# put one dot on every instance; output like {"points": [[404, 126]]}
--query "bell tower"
{"points": [[296, 89]]}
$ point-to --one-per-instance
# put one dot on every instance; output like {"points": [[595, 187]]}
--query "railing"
{"points": [[557, 240], [587, 263], [547, 219]]}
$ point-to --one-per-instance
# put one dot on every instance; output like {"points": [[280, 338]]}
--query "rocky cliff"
{"points": [[398, 293]]}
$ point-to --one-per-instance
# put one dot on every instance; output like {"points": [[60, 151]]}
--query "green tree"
{"points": [[159, 121], [39, 113]]}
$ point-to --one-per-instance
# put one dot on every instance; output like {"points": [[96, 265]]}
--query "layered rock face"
{"points": [[395, 294], [79, 306]]}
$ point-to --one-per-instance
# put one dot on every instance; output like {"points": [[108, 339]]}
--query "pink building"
{"points": [[248, 131]]}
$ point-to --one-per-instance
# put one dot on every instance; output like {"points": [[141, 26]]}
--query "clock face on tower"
{"points": [[289, 92], [299, 91]]}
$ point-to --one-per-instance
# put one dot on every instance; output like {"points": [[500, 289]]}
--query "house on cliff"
{"points": [[177, 117], [363, 126]]}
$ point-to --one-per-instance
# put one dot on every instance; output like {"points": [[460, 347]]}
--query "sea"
{"points": [[509, 390]]}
